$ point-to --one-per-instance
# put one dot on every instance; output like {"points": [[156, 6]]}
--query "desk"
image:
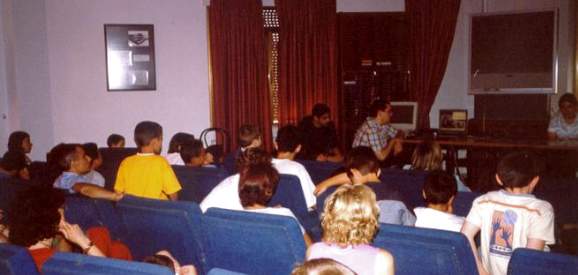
{"points": [[559, 157]]}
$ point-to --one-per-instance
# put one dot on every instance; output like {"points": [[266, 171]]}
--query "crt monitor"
{"points": [[404, 115]]}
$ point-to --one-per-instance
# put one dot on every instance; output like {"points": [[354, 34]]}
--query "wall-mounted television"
{"points": [[404, 115]]}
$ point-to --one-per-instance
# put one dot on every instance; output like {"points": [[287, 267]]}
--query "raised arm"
{"points": [[96, 192]]}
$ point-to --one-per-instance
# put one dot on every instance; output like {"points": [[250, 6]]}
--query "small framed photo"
{"points": [[130, 57]]}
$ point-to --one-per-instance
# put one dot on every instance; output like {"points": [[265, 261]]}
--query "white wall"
{"points": [[73, 103]]}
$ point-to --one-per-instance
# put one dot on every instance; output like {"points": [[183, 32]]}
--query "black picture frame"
{"points": [[130, 57]]}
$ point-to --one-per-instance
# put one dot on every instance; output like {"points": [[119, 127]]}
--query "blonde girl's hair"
{"points": [[427, 156]]}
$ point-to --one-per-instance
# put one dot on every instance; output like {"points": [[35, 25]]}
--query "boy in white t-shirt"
{"points": [[439, 192], [510, 218]]}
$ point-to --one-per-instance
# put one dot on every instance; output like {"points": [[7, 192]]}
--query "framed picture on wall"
{"points": [[130, 57]]}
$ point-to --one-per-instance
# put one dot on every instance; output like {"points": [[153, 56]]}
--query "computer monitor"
{"points": [[453, 121], [404, 115]]}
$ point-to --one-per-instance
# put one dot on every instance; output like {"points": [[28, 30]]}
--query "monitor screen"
{"points": [[404, 115], [453, 121]]}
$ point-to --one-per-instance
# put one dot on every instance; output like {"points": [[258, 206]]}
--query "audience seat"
{"points": [[111, 159], [197, 182], [408, 182], [15, 260], [426, 251], [88, 213], [463, 202], [252, 243], [320, 170], [74, 263], [156, 225], [533, 262]]}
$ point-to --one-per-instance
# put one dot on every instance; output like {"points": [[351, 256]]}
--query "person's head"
{"points": [[249, 136], [14, 164], [35, 215], [115, 141], [69, 157], [178, 140], [252, 156], [380, 110], [427, 156], [350, 216], [440, 189], [322, 266], [321, 115], [193, 153], [215, 154], [19, 141], [364, 160], [91, 151], [567, 105], [161, 260], [257, 184], [518, 170], [148, 136], [288, 140]]}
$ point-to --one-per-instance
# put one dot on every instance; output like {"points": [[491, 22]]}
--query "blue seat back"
{"points": [[156, 225], [533, 262], [463, 203], [88, 213], [74, 263], [408, 182], [9, 189], [320, 170], [426, 251], [252, 243], [111, 159], [15, 260], [289, 194], [197, 182]]}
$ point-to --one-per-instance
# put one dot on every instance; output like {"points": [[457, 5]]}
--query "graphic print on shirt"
{"points": [[502, 233]]}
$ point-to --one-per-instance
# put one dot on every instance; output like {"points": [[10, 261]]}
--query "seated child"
{"points": [[71, 163], [439, 192], [257, 184], [226, 193], [511, 217], [249, 136], [175, 146], [215, 155], [93, 176], [165, 258], [193, 154], [288, 144], [322, 266], [115, 141], [19, 141], [147, 174], [36, 221], [349, 222], [13, 165]]}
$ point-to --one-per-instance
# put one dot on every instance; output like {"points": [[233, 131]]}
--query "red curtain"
{"points": [[307, 57], [239, 67], [432, 26]]}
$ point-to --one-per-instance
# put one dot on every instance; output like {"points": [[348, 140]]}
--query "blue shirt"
{"points": [[68, 179]]}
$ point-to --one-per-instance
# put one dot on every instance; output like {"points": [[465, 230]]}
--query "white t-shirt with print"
{"points": [[290, 167], [435, 219], [507, 221]]}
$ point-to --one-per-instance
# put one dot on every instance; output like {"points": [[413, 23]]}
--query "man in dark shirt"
{"points": [[319, 136]]}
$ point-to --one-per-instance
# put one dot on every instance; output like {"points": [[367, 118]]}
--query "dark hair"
{"points": [[145, 132], [192, 149], [59, 160], [91, 150], [320, 109], [569, 98], [114, 139], [248, 133], [288, 138], [439, 187], [517, 169], [252, 156], [178, 140], [363, 159], [217, 151], [376, 106], [161, 260], [15, 140], [13, 161], [257, 184], [34, 216]]}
